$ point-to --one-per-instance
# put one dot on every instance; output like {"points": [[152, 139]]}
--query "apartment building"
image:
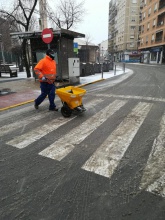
{"points": [[124, 30], [152, 35], [111, 26]]}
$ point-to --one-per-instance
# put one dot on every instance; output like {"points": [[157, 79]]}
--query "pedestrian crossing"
{"points": [[154, 173], [59, 149], [106, 158], [109, 154]]}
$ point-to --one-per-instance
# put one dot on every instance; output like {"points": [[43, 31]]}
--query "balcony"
{"points": [[159, 36], [160, 23], [158, 39], [161, 4], [161, 19]]}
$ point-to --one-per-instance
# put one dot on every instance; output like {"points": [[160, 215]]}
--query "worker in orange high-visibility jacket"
{"points": [[46, 72]]}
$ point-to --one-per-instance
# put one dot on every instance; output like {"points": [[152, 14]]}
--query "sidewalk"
{"points": [[21, 90]]}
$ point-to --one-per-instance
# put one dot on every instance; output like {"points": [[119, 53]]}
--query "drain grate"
{"points": [[5, 91]]}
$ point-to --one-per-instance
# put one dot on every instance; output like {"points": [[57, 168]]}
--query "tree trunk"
{"points": [[25, 60]]}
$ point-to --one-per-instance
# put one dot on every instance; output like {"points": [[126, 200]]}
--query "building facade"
{"points": [[112, 28], [152, 35], [124, 30]]}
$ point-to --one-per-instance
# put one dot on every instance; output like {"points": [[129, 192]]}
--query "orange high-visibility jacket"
{"points": [[46, 67]]}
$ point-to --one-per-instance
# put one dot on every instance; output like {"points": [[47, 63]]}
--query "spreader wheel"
{"points": [[66, 112]]}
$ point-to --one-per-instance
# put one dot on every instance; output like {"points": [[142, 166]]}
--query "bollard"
{"points": [[102, 71], [124, 67], [115, 70]]}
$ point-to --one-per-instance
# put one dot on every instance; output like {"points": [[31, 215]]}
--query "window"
{"points": [[154, 22], [148, 26], [133, 19], [149, 11], [142, 28], [133, 27], [153, 37], [144, 15], [146, 39], [141, 41], [134, 1], [153, 56], [156, 7]]}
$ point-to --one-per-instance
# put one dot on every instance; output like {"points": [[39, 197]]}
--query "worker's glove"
{"points": [[43, 78]]}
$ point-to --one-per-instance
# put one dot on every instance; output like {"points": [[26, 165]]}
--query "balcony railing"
{"points": [[158, 39], [161, 5], [160, 23]]}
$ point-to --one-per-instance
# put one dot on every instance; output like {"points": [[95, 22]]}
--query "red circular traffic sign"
{"points": [[47, 35]]}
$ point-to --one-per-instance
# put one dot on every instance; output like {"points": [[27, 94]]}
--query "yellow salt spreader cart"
{"points": [[71, 98]]}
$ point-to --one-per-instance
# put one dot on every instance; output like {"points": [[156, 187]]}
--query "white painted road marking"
{"points": [[133, 97], [22, 123], [105, 160], [153, 179], [59, 149], [35, 134]]}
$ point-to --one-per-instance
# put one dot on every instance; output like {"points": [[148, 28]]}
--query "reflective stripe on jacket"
{"points": [[46, 67]]}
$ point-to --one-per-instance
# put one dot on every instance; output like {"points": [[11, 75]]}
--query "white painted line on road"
{"points": [[153, 179], [18, 112], [133, 97], [59, 149], [22, 123], [35, 134], [107, 157]]}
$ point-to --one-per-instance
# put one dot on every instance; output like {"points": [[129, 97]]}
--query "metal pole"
{"points": [[115, 70], [102, 70]]}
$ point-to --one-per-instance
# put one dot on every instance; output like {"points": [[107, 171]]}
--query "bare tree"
{"points": [[67, 14], [21, 17]]}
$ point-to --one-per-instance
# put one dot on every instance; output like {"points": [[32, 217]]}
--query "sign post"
{"points": [[47, 36]]}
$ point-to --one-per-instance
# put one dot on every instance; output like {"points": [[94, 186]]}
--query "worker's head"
{"points": [[50, 53]]}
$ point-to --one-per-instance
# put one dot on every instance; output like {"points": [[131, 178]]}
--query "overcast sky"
{"points": [[95, 22]]}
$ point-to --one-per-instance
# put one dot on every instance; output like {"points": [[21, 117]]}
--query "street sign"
{"points": [[47, 35]]}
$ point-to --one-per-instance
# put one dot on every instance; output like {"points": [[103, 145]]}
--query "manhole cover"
{"points": [[5, 91]]}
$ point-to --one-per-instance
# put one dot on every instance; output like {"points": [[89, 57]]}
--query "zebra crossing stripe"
{"points": [[25, 121], [15, 112], [132, 97], [106, 158], [35, 134], [22, 123], [59, 149], [153, 179], [18, 112]]}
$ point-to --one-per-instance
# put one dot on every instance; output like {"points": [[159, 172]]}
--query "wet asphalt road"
{"points": [[105, 164]]}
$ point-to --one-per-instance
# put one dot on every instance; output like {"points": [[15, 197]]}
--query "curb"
{"points": [[29, 101], [99, 80], [16, 105]]}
